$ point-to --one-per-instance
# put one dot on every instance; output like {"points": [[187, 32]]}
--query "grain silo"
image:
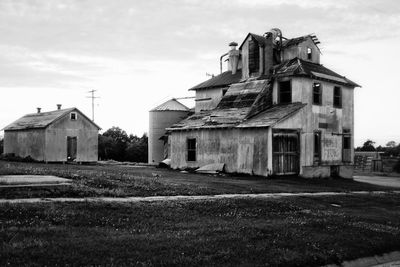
{"points": [[161, 117]]}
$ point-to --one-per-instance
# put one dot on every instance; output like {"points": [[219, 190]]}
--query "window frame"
{"points": [[339, 97], [319, 94], [309, 53], [191, 151], [73, 114], [280, 91], [317, 155]]}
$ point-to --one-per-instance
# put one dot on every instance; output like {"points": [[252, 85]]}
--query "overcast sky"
{"points": [[138, 54]]}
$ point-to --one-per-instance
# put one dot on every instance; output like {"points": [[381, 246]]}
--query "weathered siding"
{"points": [[244, 151], [25, 143], [325, 118], [82, 128], [208, 99], [300, 51]]}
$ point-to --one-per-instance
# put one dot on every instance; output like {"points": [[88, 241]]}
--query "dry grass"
{"points": [[121, 181], [304, 231]]}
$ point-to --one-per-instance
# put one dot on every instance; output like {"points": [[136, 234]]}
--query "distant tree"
{"points": [[137, 148], [391, 144], [367, 146], [117, 145], [113, 144]]}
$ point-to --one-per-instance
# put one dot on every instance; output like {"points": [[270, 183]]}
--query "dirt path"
{"points": [[190, 198]]}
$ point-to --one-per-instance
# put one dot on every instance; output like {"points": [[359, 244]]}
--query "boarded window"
{"points": [[254, 57], [337, 97], [309, 53], [317, 147], [285, 92], [191, 149], [317, 94], [73, 116]]}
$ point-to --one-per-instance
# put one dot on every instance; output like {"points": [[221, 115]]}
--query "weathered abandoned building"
{"points": [[275, 111], [55, 136]]}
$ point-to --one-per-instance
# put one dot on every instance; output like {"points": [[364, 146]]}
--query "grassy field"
{"points": [[121, 181], [301, 231]]}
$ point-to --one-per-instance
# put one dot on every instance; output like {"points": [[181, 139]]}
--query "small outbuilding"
{"points": [[56, 136]]}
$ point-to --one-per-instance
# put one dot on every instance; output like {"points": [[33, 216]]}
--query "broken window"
{"points": [[285, 92], [254, 56], [191, 149], [337, 97], [73, 116], [317, 147], [309, 53], [317, 94]]}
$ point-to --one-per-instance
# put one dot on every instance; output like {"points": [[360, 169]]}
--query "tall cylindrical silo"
{"points": [[160, 118]]}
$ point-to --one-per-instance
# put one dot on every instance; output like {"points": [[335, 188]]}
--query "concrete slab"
{"points": [[32, 180], [379, 180]]}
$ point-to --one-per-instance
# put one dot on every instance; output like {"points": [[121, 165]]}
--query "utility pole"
{"points": [[92, 97]]}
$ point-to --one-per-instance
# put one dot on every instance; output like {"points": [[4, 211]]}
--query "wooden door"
{"points": [[285, 153], [71, 147]]}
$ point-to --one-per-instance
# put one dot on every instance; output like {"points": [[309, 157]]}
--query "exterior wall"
{"points": [[245, 59], [325, 118], [158, 121], [300, 51], [25, 143], [207, 99], [82, 128], [242, 150]]}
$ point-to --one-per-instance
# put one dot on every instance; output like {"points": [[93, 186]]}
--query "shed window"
{"points": [[317, 94], [309, 53], [285, 92], [317, 147], [73, 116], [191, 149], [337, 97]]}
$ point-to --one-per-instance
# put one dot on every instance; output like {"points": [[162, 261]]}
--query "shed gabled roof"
{"points": [[171, 105], [41, 120], [222, 80], [299, 67]]}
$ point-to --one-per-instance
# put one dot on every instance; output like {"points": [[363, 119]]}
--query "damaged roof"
{"points": [[299, 67], [234, 108], [41, 120], [222, 80], [272, 115]]}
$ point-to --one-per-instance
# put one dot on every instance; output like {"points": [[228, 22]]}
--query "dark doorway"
{"points": [[285, 145], [72, 143]]}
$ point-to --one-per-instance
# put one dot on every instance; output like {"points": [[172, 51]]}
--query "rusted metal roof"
{"points": [[299, 67], [272, 115], [171, 105], [234, 107], [222, 80], [41, 120]]}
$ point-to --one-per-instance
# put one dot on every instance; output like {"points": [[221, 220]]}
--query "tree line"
{"points": [[391, 149], [117, 145]]}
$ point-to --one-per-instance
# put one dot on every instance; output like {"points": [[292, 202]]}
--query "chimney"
{"points": [[233, 57], [58, 106], [38, 110]]}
